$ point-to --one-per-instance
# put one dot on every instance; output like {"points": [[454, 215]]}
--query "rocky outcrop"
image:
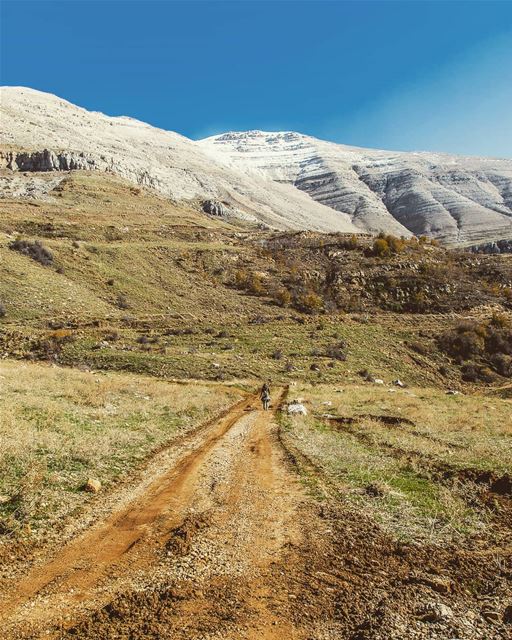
{"points": [[500, 246], [214, 208], [45, 160]]}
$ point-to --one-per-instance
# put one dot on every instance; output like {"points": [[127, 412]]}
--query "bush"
{"points": [[122, 302], [482, 348], [256, 286], [310, 302], [336, 351], [464, 342], [381, 248], [34, 250], [387, 245], [283, 297]]}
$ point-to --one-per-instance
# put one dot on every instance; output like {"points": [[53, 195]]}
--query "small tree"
{"points": [[381, 248], [256, 286]]}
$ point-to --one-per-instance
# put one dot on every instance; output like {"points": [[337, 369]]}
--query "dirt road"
{"points": [[227, 543], [215, 523]]}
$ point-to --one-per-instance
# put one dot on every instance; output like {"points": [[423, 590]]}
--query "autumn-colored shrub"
{"points": [[482, 348], [283, 297], [310, 302]]}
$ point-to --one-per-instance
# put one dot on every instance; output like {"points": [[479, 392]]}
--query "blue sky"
{"points": [[398, 75]]}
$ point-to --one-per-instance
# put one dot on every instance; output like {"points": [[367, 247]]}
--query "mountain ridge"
{"points": [[421, 191], [283, 180]]}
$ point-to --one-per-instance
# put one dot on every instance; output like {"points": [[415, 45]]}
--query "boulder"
{"points": [[214, 208], [435, 612]]}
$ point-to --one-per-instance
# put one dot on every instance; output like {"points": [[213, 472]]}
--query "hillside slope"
{"points": [[456, 199]]}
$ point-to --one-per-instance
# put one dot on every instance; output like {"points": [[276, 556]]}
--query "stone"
{"points": [[214, 208], [92, 485], [435, 612], [398, 383], [297, 409]]}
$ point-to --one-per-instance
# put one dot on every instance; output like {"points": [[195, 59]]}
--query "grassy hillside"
{"points": [[107, 275]]}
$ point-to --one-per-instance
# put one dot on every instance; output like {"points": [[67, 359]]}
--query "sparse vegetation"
{"points": [[35, 250], [482, 348], [61, 426], [411, 459]]}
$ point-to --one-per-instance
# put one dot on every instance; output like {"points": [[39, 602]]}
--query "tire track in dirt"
{"points": [[114, 547]]}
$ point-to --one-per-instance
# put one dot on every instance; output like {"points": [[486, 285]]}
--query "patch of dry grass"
{"points": [[59, 427], [395, 471]]}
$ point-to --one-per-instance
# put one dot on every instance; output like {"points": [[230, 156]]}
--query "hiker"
{"points": [[265, 396]]}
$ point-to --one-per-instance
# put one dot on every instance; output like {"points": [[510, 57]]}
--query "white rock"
{"points": [[297, 409]]}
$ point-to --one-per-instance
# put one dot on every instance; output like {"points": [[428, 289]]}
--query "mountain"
{"points": [[459, 200], [283, 180], [41, 132]]}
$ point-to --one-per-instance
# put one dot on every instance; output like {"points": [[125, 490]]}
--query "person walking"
{"points": [[265, 396]]}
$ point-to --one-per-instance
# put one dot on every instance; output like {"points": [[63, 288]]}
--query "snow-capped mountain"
{"points": [[285, 180], [41, 132], [454, 198]]}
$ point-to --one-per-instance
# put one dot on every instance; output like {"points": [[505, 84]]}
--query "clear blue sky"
{"points": [[397, 75]]}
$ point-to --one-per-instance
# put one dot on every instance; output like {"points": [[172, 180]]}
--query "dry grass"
{"points": [[396, 471], [59, 427]]}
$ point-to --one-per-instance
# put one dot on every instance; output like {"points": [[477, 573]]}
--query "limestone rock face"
{"points": [[460, 200]]}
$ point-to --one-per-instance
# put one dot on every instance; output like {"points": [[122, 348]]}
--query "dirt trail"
{"points": [[233, 493], [226, 544]]}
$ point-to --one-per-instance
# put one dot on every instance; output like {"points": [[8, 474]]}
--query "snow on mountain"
{"points": [[40, 131], [457, 199], [285, 180]]}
